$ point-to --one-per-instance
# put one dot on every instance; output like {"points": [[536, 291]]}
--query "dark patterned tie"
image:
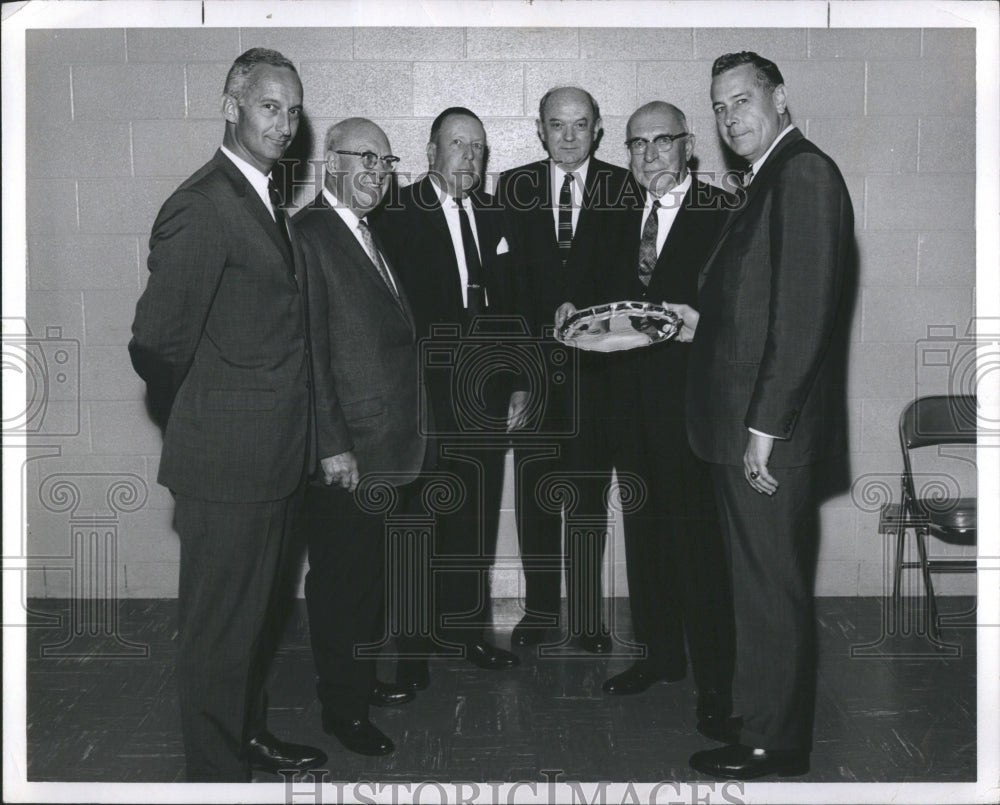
{"points": [[474, 288], [373, 253], [279, 214], [747, 177], [566, 217], [647, 246]]}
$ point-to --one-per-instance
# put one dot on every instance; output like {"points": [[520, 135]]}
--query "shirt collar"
{"points": [[346, 214], [672, 198], [443, 196], [580, 172], [757, 164], [254, 176]]}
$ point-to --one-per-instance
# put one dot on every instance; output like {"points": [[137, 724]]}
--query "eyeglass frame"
{"points": [[370, 159], [664, 143]]}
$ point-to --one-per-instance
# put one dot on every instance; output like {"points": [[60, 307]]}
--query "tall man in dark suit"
{"points": [[446, 244], [678, 585], [367, 417], [555, 212], [220, 339], [766, 403]]}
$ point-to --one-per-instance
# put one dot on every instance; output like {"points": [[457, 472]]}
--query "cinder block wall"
{"points": [[117, 118]]}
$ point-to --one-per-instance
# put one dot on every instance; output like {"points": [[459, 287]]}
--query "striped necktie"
{"points": [[565, 217], [647, 246]]}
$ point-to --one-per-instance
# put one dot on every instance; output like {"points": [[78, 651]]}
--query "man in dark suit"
{"points": [[367, 417], [220, 339], [446, 245], [555, 211], [766, 403], [678, 585]]}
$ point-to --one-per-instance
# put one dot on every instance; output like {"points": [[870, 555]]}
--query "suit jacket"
{"points": [[415, 232], [772, 300], [220, 338], [650, 381], [541, 282], [364, 351]]}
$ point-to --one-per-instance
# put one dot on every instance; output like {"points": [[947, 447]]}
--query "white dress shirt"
{"points": [[666, 214], [257, 179], [558, 174], [450, 208]]}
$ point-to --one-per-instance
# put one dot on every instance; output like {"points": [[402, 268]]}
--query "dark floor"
{"points": [[898, 711]]}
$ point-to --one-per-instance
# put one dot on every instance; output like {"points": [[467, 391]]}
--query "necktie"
{"points": [[747, 177], [647, 245], [566, 217], [475, 291], [373, 253], [280, 219]]}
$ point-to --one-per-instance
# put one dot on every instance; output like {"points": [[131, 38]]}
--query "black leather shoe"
{"points": [[739, 762], [599, 643], [533, 629], [715, 719], [490, 657], [267, 753], [358, 735], [635, 680], [413, 674], [386, 694]]}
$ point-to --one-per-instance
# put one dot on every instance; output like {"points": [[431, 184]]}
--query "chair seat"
{"points": [[952, 523]]}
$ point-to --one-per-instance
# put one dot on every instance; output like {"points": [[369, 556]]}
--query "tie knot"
{"points": [[748, 176], [568, 179], [656, 204], [273, 194]]}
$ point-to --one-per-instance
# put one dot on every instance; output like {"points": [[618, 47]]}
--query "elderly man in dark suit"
{"points": [[766, 403], [447, 247], [220, 339], [556, 211], [367, 417], [678, 585]]}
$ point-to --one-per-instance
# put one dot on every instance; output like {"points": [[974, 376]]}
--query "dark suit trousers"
{"points": [[556, 474], [233, 558], [345, 597], [677, 578], [771, 548]]}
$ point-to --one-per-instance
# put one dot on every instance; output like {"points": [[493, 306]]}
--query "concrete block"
{"points": [[48, 100], [51, 207], [946, 258], [112, 465], [885, 319], [948, 43], [175, 45], [149, 580], [347, 89], [880, 422], [887, 258], [836, 528], [932, 86], [947, 145], [710, 157], [836, 578], [487, 88], [856, 190], [63, 309], [881, 369], [522, 43], [174, 147], [909, 201], [145, 536], [612, 83], [123, 428], [640, 44], [302, 44], [771, 43], [107, 374], [74, 46], [416, 44], [685, 84], [824, 88], [507, 549], [128, 92], [875, 575], [124, 206], [65, 425], [205, 82], [855, 442], [513, 142], [867, 144], [80, 150], [864, 44], [81, 261], [612, 145]]}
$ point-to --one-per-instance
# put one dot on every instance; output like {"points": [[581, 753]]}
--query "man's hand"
{"points": [[342, 470], [690, 318], [517, 411], [563, 312], [755, 463]]}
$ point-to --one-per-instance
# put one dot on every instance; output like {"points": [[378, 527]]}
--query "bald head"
{"points": [[569, 121], [657, 110], [358, 187], [659, 146]]}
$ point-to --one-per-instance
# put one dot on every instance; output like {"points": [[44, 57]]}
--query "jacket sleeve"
{"points": [[186, 262], [810, 233]]}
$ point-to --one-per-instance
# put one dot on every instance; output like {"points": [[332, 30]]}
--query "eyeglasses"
{"points": [[370, 159], [663, 143]]}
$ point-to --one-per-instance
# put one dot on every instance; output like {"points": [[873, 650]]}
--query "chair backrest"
{"points": [[939, 419]]}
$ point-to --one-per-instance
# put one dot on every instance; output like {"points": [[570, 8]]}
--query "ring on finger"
{"points": [[754, 474]]}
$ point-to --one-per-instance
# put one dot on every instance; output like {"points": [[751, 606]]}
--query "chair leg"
{"points": [[897, 574], [932, 612]]}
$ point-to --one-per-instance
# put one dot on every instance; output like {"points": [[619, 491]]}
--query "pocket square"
{"points": [[502, 247]]}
